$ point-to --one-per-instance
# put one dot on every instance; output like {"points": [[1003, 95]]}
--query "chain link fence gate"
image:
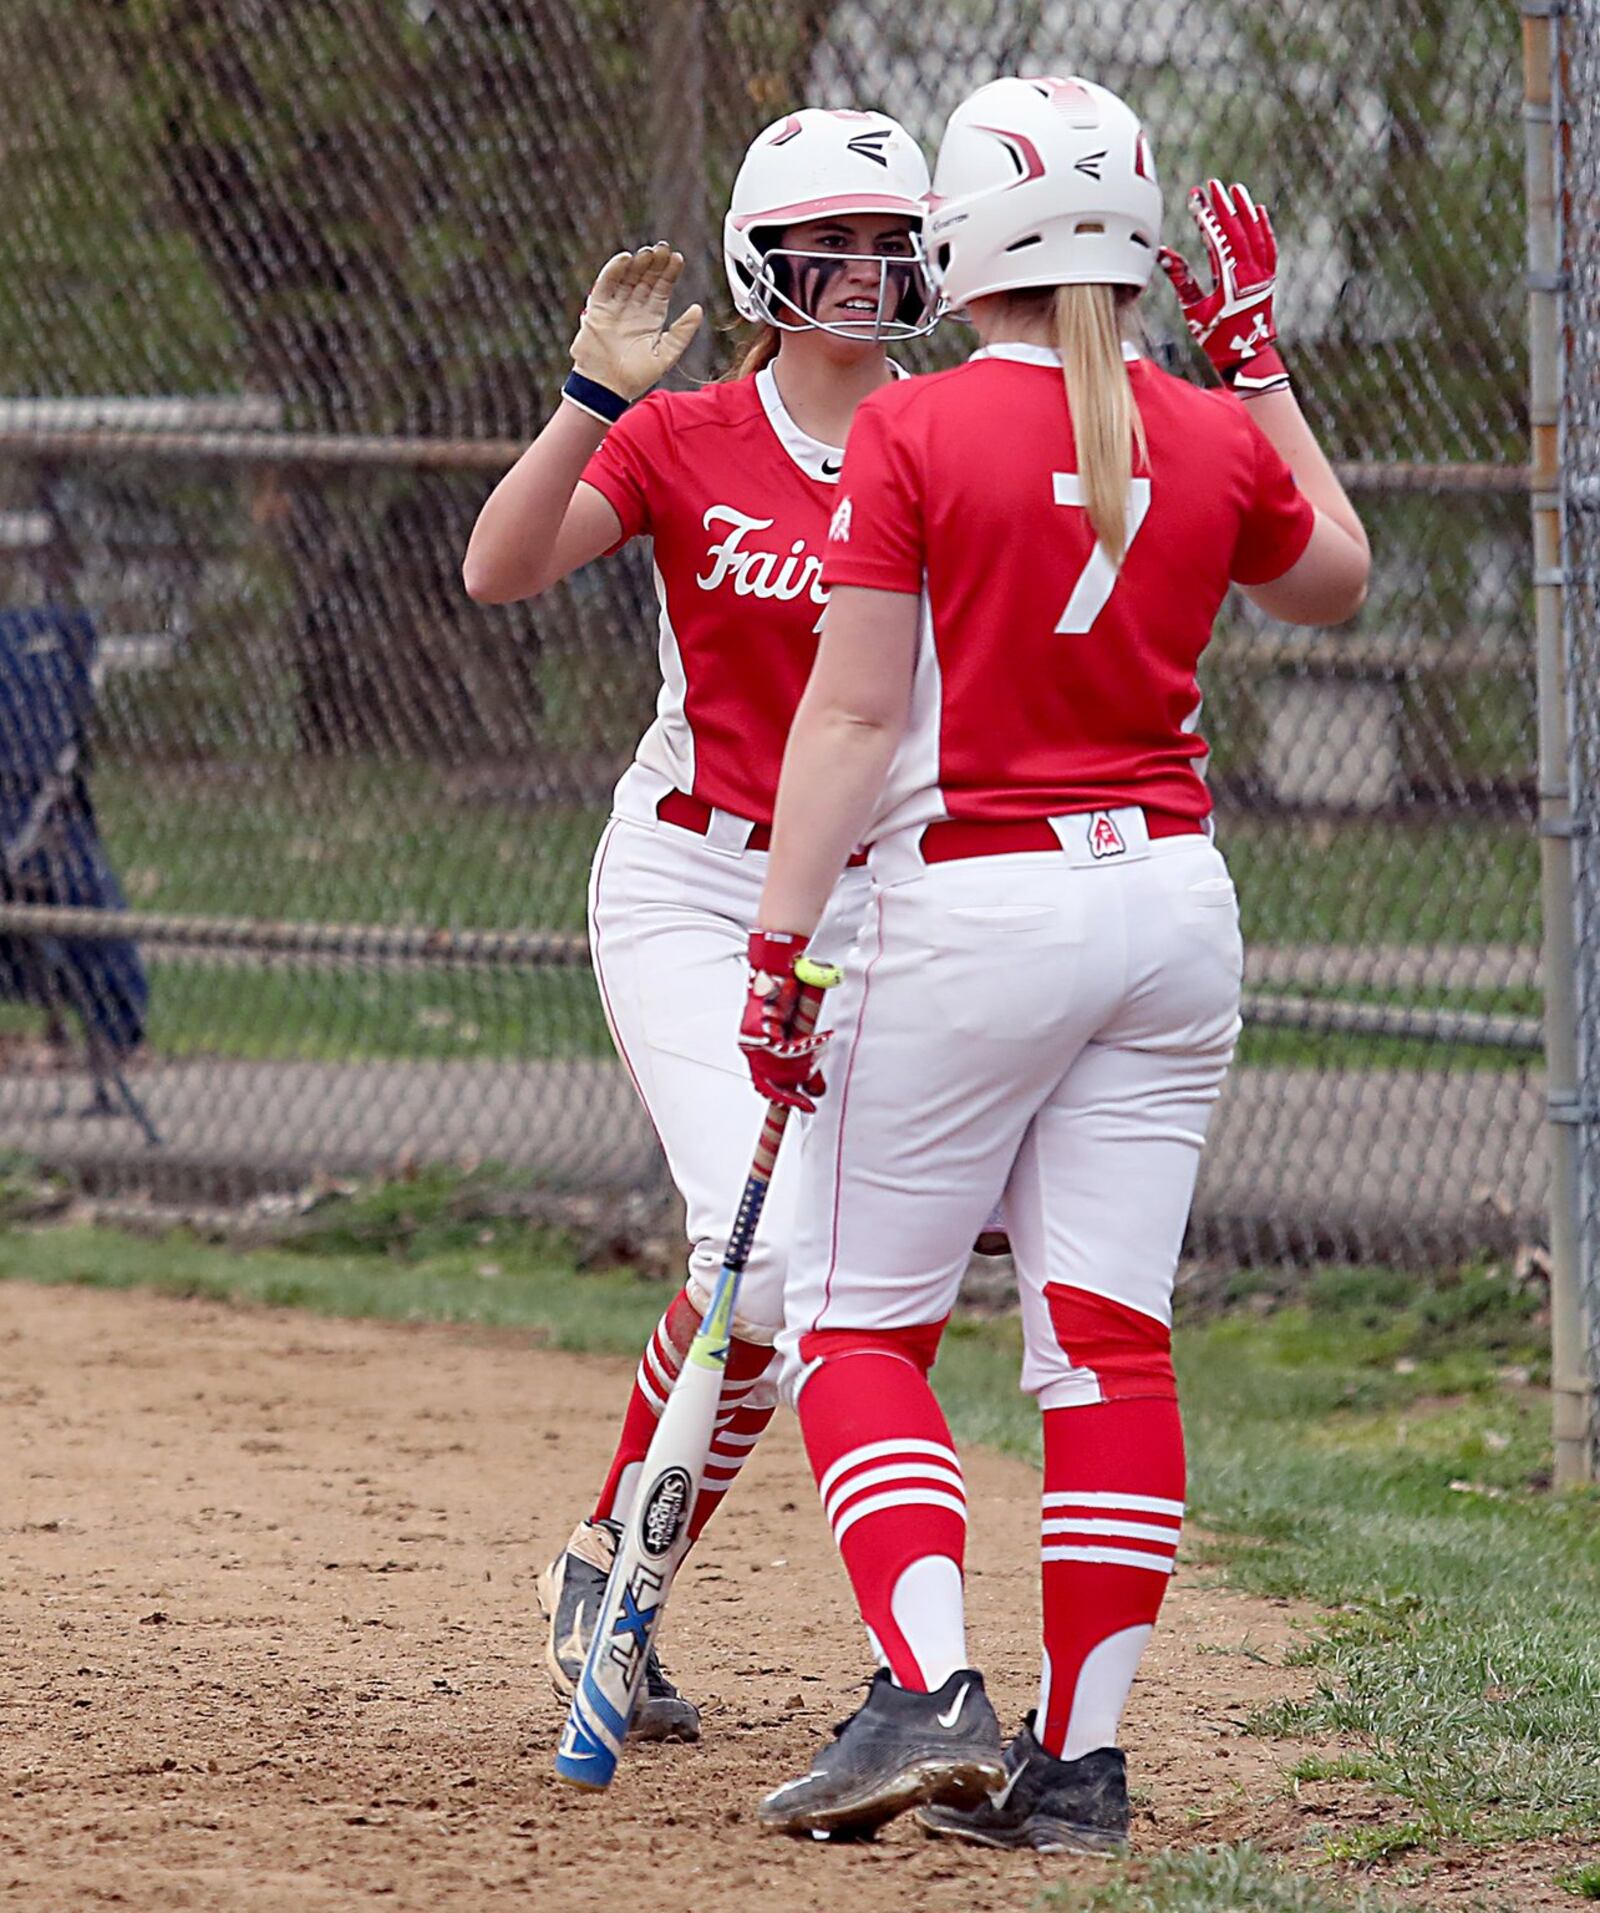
{"points": [[283, 288]]}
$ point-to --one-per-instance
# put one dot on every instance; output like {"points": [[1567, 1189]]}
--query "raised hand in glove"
{"points": [[778, 1032], [624, 344], [1232, 323]]}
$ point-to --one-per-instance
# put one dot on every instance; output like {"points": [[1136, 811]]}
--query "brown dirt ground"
{"points": [[270, 1641]]}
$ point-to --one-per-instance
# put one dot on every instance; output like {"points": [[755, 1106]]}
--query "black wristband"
{"points": [[599, 401]]}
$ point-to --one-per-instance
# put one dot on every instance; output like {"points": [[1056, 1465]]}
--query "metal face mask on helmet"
{"points": [[817, 164], [1044, 182]]}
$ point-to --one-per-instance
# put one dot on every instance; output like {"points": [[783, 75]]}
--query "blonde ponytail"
{"points": [[759, 353], [1106, 425]]}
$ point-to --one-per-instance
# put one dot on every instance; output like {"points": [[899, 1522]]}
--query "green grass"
{"points": [[1377, 1445], [1436, 881], [388, 843], [356, 1015], [332, 1016], [289, 1013], [347, 843], [1330, 1053], [1227, 1879], [1381, 1448], [379, 843], [405, 1253], [1332, 1050]]}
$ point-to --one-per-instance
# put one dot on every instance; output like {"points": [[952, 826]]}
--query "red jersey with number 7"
{"points": [[1047, 681]]}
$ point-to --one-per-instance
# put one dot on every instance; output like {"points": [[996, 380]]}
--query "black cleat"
{"points": [[1050, 1805], [571, 1592], [898, 1750]]}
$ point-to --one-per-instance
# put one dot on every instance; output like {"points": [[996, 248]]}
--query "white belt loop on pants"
{"points": [[640, 793], [728, 835], [1086, 837]]}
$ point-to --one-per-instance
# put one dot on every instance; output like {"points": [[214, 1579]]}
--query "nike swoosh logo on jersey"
{"points": [[831, 467], [953, 1714]]}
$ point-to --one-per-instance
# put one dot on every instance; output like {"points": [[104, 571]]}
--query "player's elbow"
{"points": [[1342, 590], [1355, 597], [479, 583], [487, 583], [1327, 586]]}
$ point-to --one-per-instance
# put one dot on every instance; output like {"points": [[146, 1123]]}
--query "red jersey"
{"points": [[1047, 682], [737, 499]]}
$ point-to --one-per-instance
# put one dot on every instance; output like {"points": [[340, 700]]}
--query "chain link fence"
{"points": [[283, 288]]}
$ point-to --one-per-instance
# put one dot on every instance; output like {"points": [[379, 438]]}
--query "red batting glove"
{"points": [[1232, 323], [783, 1063]]}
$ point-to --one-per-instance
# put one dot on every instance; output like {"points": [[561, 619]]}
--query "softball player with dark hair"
{"points": [[1024, 564], [734, 483]]}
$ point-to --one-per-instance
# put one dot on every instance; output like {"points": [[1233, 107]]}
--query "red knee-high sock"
{"points": [[1113, 1510], [746, 1408], [893, 1493]]}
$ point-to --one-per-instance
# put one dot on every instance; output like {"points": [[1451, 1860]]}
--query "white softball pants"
{"points": [[1050, 1025], [670, 914]]}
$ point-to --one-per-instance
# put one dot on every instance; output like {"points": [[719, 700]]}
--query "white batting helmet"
{"points": [[1042, 182], [805, 166]]}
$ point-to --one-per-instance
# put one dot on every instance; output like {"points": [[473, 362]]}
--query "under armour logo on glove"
{"points": [[1248, 344], [778, 1032], [1243, 255]]}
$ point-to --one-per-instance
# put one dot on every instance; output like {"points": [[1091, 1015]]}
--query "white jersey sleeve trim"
{"points": [[911, 792], [668, 746]]}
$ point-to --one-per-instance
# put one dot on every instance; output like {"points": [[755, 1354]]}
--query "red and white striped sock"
{"points": [[892, 1490], [748, 1401], [1113, 1511], [747, 1405]]}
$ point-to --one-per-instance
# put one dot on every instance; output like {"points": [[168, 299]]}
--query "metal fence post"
{"points": [[1542, 106]]}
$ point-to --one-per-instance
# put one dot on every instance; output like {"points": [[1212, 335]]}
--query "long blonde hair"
{"points": [[761, 351], [1106, 426]]}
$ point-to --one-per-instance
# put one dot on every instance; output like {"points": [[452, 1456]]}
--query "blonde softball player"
{"points": [[1025, 561], [735, 484]]}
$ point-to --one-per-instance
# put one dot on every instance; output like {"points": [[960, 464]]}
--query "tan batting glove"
{"points": [[624, 342]]}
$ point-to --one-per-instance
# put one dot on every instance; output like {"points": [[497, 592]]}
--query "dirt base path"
{"points": [[269, 1640]]}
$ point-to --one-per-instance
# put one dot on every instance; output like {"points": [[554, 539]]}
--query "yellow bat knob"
{"points": [[819, 976]]}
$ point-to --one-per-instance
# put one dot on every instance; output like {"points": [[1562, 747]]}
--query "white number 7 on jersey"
{"points": [[1098, 578]]}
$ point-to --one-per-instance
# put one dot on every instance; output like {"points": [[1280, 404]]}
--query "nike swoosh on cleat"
{"points": [[572, 1648], [950, 1718], [793, 1786], [998, 1800]]}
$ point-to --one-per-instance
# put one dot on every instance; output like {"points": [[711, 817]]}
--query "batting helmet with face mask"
{"points": [[808, 166]]}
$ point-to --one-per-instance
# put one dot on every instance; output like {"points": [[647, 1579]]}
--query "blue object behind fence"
{"points": [[50, 849]]}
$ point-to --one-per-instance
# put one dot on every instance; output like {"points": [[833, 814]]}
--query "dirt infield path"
{"points": [[269, 1641]]}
